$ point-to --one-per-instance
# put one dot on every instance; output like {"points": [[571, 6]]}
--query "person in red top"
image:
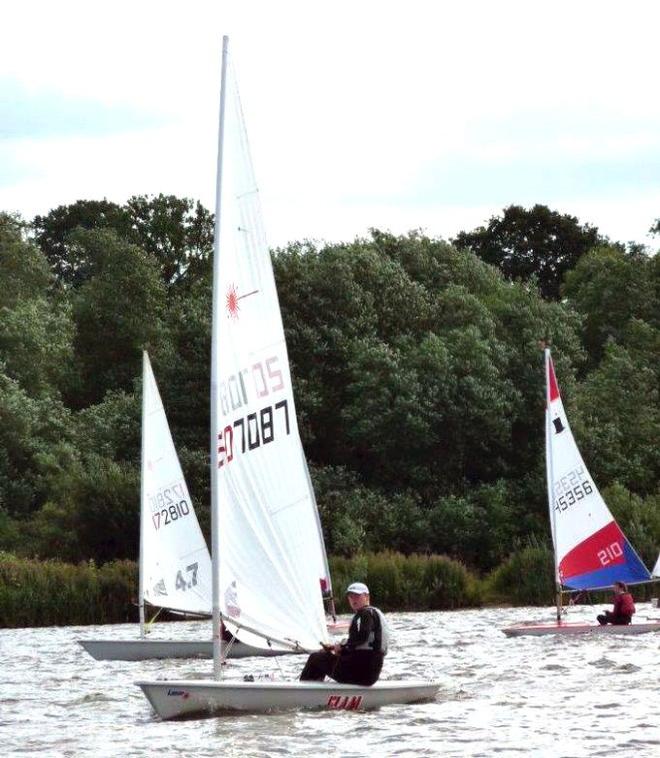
{"points": [[624, 607]]}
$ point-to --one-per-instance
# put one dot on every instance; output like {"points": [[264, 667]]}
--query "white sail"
{"points": [[269, 544], [175, 564], [656, 568], [591, 551]]}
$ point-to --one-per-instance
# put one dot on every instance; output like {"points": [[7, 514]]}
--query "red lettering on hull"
{"points": [[344, 702]]}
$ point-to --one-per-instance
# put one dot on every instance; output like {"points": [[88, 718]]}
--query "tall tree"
{"points": [[68, 261], [36, 328], [531, 244], [118, 312], [177, 232], [609, 287]]}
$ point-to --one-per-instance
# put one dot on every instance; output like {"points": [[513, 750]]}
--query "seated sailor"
{"points": [[359, 660], [624, 607]]}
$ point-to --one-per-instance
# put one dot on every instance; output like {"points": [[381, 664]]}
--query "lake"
{"points": [[543, 696]]}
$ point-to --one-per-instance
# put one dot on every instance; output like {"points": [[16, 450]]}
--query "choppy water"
{"points": [[547, 696]]}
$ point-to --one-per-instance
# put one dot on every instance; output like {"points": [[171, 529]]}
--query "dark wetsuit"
{"points": [[622, 613], [361, 658]]}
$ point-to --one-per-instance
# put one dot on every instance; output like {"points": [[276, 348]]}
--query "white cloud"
{"points": [[359, 114]]}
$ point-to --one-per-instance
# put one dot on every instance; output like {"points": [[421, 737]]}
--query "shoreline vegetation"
{"points": [[417, 372], [37, 593]]}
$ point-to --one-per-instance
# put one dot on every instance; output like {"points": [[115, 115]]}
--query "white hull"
{"points": [[177, 699], [142, 650], [571, 627]]}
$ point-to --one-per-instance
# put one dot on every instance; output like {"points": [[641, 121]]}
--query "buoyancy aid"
{"points": [[379, 635]]}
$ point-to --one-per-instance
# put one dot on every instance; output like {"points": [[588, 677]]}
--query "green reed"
{"points": [[413, 582], [525, 578], [50, 593]]}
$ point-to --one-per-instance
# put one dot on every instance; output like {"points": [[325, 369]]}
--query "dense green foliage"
{"points": [[50, 593], [413, 582], [417, 375], [525, 578], [54, 593], [537, 243]]}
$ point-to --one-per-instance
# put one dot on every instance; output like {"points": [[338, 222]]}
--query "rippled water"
{"points": [[545, 696]]}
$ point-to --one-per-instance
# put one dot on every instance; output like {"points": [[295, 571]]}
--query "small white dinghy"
{"points": [[181, 699], [174, 563], [591, 552], [150, 649], [265, 527]]}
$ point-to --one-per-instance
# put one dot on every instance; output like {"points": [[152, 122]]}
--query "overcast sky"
{"points": [[398, 115]]}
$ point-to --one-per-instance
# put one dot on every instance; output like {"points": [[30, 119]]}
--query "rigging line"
{"points": [[293, 644], [279, 665], [150, 623], [228, 647]]}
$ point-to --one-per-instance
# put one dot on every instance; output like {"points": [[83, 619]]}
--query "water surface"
{"points": [[542, 696]]}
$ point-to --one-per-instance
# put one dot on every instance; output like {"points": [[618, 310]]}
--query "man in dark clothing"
{"points": [[624, 607], [359, 660]]}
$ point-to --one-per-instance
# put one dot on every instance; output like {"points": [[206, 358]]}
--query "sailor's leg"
{"points": [[318, 666]]}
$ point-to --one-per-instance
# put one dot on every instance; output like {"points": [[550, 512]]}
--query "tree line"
{"points": [[416, 365]]}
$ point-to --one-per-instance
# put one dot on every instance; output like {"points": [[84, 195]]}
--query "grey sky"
{"points": [[395, 115]]}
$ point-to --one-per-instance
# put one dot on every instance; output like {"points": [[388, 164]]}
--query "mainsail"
{"points": [[656, 569], [175, 565], [270, 551], [591, 551]]}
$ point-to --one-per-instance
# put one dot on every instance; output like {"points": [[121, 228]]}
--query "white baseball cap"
{"points": [[358, 588]]}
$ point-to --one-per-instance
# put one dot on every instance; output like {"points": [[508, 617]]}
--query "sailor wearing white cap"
{"points": [[357, 588], [359, 659]]}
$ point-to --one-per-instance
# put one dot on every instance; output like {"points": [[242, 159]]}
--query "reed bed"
{"points": [[51, 593], [525, 578], [407, 583]]}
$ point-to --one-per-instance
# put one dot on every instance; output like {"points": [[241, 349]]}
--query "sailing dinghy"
{"points": [[174, 565], [264, 521], [591, 552]]}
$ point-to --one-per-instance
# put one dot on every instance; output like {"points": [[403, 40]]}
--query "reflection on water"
{"points": [[541, 696]]}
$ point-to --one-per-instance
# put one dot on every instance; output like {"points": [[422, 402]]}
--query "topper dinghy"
{"points": [[591, 552], [265, 529]]}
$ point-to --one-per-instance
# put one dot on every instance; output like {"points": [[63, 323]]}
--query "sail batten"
{"points": [[591, 551]]}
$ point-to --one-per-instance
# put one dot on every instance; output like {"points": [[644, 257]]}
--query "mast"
{"points": [[215, 505], [550, 480], [142, 508]]}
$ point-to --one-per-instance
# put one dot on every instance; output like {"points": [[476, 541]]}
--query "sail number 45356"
{"points": [[571, 488], [570, 497]]}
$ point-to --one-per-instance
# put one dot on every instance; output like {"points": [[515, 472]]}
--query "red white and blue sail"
{"points": [[591, 551]]}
